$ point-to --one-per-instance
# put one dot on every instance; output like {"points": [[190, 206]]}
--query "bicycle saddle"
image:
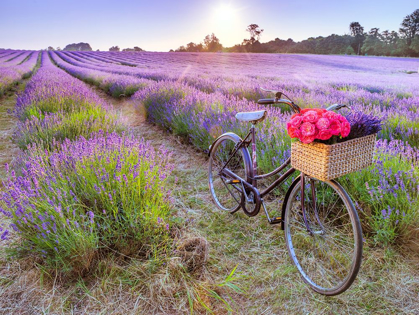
{"points": [[255, 116]]}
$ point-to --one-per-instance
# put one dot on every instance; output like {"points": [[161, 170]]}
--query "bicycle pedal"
{"points": [[275, 220]]}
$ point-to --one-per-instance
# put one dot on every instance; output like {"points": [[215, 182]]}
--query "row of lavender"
{"points": [[14, 66], [202, 106], [82, 183]]}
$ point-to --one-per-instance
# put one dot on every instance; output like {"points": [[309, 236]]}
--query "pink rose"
{"points": [[308, 129], [307, 139], [330, 115], [305, 110], [323, 123], [346, 128], [335, 127], [296, 121], [341, 118], [320, 111], [310, 116], [293, 132], [324, 134]]}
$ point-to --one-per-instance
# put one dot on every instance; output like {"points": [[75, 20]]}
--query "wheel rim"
{"points": [[327, 259], [226, 196]]}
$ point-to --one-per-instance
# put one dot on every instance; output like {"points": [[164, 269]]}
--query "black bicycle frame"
{"points": [[254, 177]]}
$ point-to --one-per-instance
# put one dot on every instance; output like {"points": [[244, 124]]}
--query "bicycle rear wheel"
{"points": [[329, 258], [227, 196]]}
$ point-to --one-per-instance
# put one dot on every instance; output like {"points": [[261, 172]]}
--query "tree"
{"points": [[136, 48], [191, 47], [410, 26], [78, 47], [114, 48], [372, 45], [415, 44], [349, 51], [58, 48], [50, 48], [212, 43], [255, 34], [181, 49], [375, 31], [357, 31], [401, 48]]}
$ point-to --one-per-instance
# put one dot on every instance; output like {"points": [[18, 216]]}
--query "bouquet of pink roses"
{"points": [[318, 124]]}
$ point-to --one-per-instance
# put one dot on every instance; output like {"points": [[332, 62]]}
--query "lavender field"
{"points": [[197, 96], [71, 193]]}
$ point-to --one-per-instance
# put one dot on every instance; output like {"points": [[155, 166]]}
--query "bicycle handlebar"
{"points": [[296, 109], [270, 101], [266, 101]]}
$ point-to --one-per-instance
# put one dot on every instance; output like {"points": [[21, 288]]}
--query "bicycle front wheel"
{"points": [[328, 254], [227, 196]]}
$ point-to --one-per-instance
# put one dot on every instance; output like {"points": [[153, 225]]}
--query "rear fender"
{"points": [[246, 155], [231, 134]]}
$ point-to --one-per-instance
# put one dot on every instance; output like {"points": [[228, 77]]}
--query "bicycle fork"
{"points": [[314, 202]]}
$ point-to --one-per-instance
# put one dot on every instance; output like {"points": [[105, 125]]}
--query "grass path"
{"points": [[7, 125], [388, 282]]}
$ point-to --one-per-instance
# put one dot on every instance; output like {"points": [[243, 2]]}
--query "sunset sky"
{"points": [[163, 25]]}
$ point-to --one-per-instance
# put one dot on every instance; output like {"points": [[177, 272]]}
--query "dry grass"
{"points": [[388, 282], [7, 125]]}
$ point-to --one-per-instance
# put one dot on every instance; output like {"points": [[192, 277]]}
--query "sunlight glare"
{"points": [[225, 23]]}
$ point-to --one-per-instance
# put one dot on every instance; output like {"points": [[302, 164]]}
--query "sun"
{"points": [[225, 22], [224, 13]]}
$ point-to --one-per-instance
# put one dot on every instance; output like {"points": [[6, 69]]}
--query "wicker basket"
{"points": [[326, 162]]}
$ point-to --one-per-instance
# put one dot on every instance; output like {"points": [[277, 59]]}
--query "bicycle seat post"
{"points": [[254, 156]]}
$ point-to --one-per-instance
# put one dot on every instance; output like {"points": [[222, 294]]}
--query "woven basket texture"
{"points": [[326, 162]]}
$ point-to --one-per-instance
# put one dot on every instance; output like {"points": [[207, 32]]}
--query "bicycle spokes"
{"points": [[327, 253]]}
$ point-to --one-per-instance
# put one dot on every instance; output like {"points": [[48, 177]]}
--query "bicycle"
{"points": [[322, 229]]}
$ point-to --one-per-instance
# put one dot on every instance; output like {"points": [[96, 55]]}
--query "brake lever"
{"points": [[337, 107], [278, 94]]}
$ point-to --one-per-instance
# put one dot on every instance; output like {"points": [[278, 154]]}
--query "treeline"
{"points": [[87, 47], [210, 44], [374, 42], [116, 48]]}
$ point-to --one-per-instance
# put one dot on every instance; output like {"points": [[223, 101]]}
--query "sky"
{"points": [[161, 25]]}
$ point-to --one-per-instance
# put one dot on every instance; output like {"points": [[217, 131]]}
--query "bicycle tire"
{"points": [[330, 258], [227, 197]]}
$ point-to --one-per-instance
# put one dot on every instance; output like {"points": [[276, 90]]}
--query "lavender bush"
{"points": [[51, 129], [51, 90], [362, 124], [104, 192]]}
